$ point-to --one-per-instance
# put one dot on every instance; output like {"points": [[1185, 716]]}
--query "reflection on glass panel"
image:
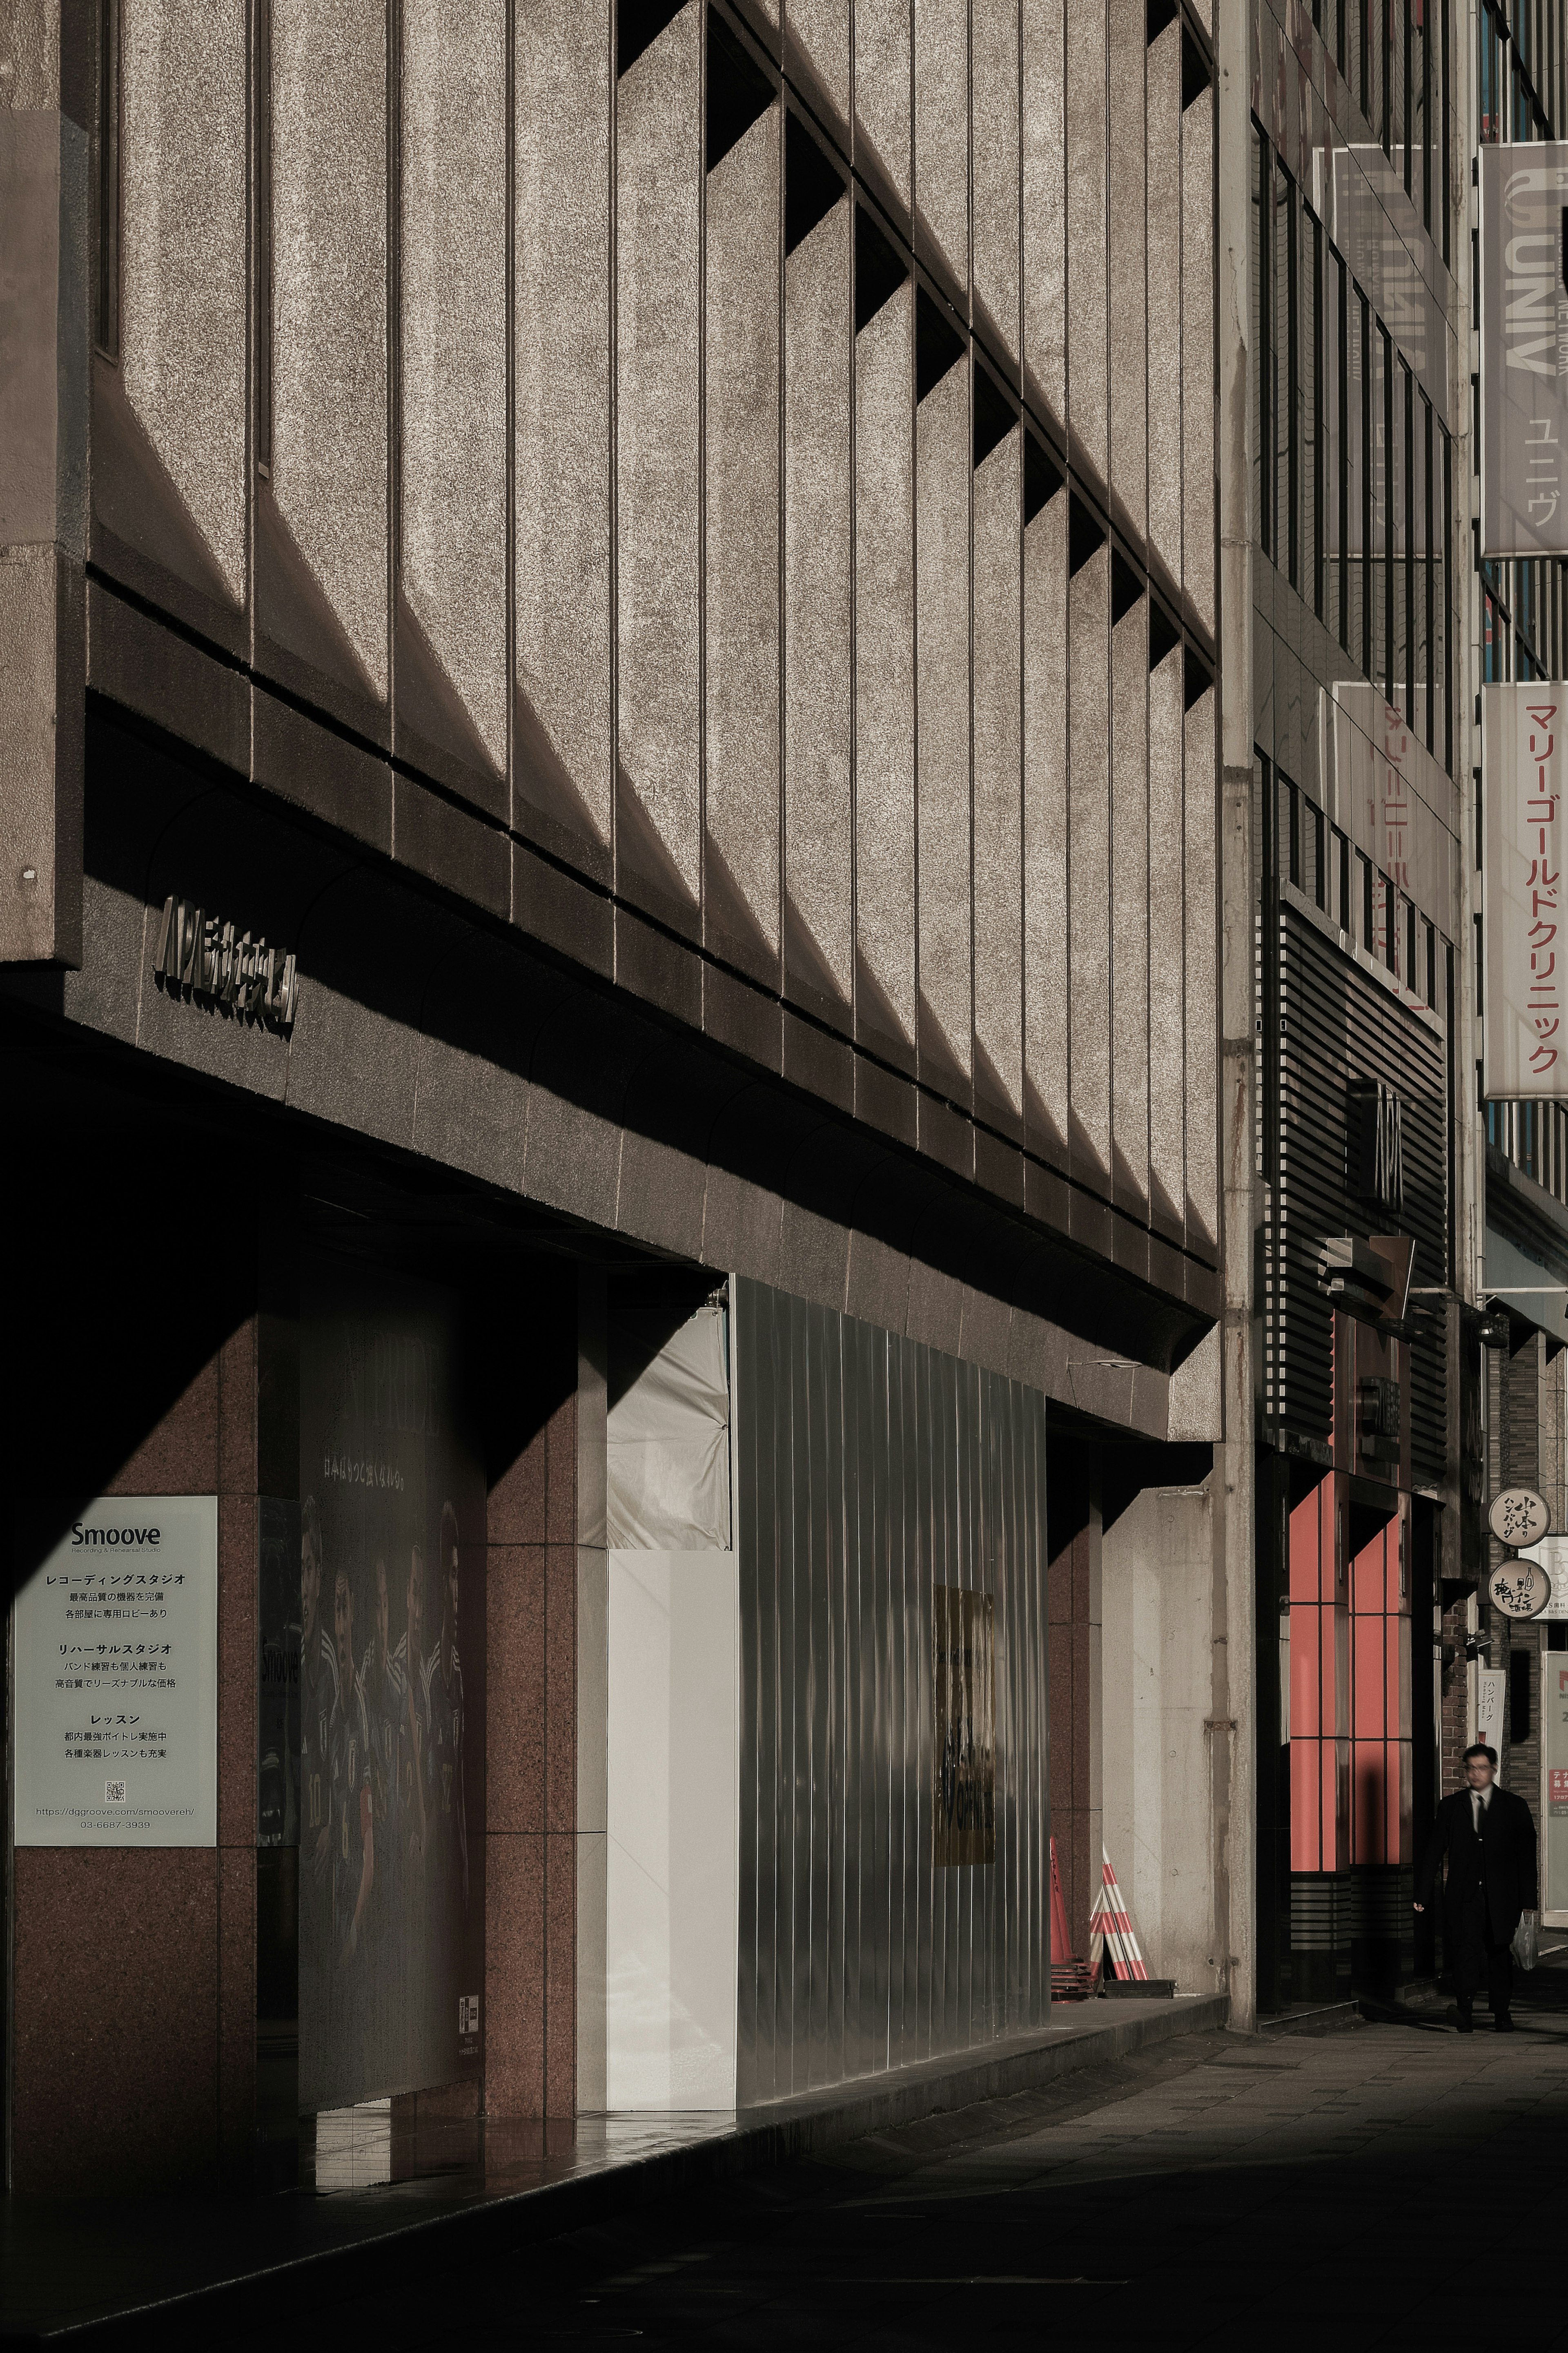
{"points": [[1311, 372], [1262, 344], [1357, 426], [1399, 533], [1443, 500], [1424, 708], [1335, 506], [1283, 306], [1379, 584], [1421, 111]]}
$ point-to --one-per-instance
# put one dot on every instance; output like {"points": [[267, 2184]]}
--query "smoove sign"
{"points": [[1523, 349], [115, 1679], [1524, 1041]]}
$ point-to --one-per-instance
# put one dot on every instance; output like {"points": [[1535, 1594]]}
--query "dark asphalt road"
{"points": [[1316, 2187]]}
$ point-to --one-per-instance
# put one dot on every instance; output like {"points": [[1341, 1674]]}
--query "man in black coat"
{"points": [[1489, 1837]]}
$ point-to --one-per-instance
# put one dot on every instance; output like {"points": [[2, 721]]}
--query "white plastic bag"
{"points": [[1525, 1941]]}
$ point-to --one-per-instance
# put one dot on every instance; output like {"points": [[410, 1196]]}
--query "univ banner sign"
{"points": [[1524, 1041], [1524, 349]]}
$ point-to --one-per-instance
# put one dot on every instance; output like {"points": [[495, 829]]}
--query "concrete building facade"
{"points": [[613, 702]]}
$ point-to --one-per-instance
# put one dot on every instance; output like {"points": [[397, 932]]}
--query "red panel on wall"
{"points": [[1305, 1549]]}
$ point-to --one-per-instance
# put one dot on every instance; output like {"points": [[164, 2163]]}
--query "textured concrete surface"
{"points": [[452, 290], [396, 2199], [329, 445], [781, 675], [1168, 2196], [561, 438], [182, 308]]}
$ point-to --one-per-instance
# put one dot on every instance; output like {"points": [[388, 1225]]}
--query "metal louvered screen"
{"points": [[1339, 1028], [871, 1470]]}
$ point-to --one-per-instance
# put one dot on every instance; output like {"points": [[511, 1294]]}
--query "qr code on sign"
{"points": [[114, 1793]]}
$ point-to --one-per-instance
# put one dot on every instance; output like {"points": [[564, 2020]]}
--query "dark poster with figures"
{"points": [[391, 1724], [963, 1812]]}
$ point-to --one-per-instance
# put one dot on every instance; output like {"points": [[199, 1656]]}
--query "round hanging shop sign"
{"points": [[1519, 1588], [1519, 1516]]}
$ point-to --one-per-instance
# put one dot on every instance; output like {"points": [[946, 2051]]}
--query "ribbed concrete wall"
{"points": [[689, 437]]}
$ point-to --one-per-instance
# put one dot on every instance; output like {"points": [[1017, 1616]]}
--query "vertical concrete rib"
{"points": [[1197, 357], [1128, 291], [884, 92], [1089, 395], [329, 329], [562, 781], [818, 841], [1043, 144], [942, 475], [1130, 907], [1046, 815], [1167, 973], [885, 1017], [942, 137], [1202, 959], [740, 846], [994, 135], [818, 51], [1089, 1008], [183, 263], [998, 784], [658, 296], [1164, 281], [451, 689]]}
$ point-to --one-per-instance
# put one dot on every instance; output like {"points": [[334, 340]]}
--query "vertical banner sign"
{"points": [[963, 1812], [1523, 1039], [390, 1696], [1524, 349], [1555, 1710]]}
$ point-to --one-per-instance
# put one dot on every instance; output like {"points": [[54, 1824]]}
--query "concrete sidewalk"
{"points": [[1361, 2184], [101, 2268]]}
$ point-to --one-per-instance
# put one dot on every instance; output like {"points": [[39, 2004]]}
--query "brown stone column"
{"points": [[135, 1968], [530, 1954]]}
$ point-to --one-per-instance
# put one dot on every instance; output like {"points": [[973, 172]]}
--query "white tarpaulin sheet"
{"points": [[1524, 1041], [669, 1471]]}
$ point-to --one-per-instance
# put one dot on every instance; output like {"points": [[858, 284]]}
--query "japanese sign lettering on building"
{"points": [[1524, 349], [115, 1656], [1524, 1042]]}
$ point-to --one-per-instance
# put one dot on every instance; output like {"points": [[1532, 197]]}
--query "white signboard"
{"points": [[1520, 1587], [115, 1679], [1551, 1552], [1524, 309], [1519, 1515], [1491, 1684], [1524, 1041]]}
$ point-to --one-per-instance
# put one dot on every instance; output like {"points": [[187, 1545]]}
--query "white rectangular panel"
{"points": [[672, 1896], [115, 1655], [1524, 1041], [1524, 312]]}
